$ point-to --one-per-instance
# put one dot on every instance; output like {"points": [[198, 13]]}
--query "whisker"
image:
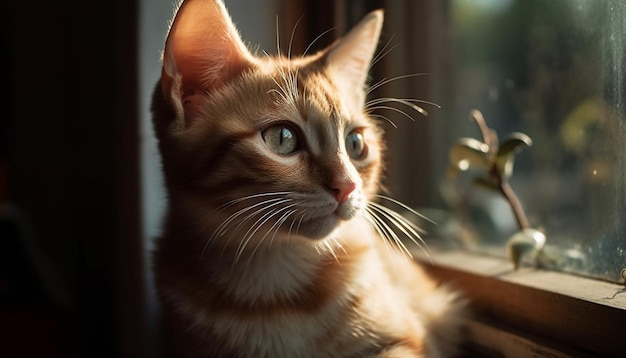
{"points": [[224, 226], [371, 104], [288, 90], [385, 81], [406, 207], [277, 37], [405, 101], [291, 226], [375, 222], [249, 217], [280, 92], [374, 115], [383, 52], [315, 40], [402, 100], [300, 222], [399, 217], [280, 223], [393, 235], [264, 206], [408, 229], [293, 32], [253, 196], [330, 249], [252, 230], [392, 109], [276, 225]]}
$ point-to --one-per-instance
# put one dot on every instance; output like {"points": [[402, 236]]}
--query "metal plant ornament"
{"points": [[495, 159]]}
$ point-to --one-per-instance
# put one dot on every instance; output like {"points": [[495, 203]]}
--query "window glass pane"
{"points": [[554, 70]]}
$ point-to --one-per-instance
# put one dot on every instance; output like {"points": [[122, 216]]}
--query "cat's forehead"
{"points": [[305, 88]]}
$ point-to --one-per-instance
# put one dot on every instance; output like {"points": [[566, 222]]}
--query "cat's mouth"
{"points": [[351, 207], [320, 223]]}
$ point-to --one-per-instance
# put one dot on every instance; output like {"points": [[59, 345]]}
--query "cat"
{"points": [[273, 244]]}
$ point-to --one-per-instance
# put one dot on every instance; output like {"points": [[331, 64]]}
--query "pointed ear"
{"points": [[348, 60], [203, 47]]}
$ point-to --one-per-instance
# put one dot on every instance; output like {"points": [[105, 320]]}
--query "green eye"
{"points": [[355, 145], [281, 139]]}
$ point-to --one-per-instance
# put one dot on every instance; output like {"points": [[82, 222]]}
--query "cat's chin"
{"points": [[321, 227], [318, 228]]}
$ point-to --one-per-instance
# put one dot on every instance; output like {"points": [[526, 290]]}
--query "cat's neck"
{"points": [[290, 265]]}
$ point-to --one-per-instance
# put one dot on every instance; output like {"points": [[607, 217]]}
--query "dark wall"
{"points": [[70, 254]]}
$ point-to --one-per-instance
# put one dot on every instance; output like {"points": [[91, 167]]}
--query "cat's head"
{"points": [[264, 146]]}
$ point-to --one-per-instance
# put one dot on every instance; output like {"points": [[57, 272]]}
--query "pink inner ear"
{"points": [[203, 47]]}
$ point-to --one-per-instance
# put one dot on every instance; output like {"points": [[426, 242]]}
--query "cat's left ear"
{"points": [[348, 61]]}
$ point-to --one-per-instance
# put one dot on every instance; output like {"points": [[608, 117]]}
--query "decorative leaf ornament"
{"points": [[496, 160]]}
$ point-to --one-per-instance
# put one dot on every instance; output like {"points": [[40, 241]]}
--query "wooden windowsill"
{"points": [[540, 311]]}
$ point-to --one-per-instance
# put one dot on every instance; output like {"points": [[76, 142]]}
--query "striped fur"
{"points": [[271, 254]]}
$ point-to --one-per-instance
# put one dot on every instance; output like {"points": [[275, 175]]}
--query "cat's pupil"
{"points": [[355, 145], [280, 139]]}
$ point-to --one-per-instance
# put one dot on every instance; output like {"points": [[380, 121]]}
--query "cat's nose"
{"points": [[341, 190]]}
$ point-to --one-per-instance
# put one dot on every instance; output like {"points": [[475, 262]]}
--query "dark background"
{"points": [[70, 254]]}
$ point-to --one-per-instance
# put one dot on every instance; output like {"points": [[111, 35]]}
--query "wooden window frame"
{"points": [[533, 312]]}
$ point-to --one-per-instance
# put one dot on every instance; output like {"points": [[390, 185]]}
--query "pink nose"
{"points": [[341, 190]]}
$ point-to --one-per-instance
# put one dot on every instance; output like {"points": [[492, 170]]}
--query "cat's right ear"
{"points": [[203, 51], [349, 59]]}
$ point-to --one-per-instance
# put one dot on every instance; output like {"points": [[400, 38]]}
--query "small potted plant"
{"points": [[495, 159]]}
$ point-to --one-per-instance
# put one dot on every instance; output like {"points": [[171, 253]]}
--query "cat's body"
{"points": [[268, 248]]}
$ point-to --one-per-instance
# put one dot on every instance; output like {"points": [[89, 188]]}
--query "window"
{"points": [[554, 70]]}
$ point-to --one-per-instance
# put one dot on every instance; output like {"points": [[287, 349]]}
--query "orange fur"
{"points": [[272, 245]]}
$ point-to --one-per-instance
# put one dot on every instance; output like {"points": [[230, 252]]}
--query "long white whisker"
{"points": [[383, 52], [393, 109], [291, 226], [224, 226], [265, 205], [392, 233], [288, 89], [280, 223], [281, 91], [374, 115], [252, 230], [385, 81], [408, 229], [300, 222], [406, 207], [248, 238], [254, 196], [372, 103], [330, 249], [315, 40], [405, 101], [399, 217], [375, 221], [277, 38], [293, 32]]}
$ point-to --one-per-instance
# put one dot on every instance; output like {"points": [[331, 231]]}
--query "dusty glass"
{"points": [[554, 70]]}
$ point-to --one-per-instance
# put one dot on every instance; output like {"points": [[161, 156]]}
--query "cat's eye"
{"points": [[281, 139], [355, 145]]}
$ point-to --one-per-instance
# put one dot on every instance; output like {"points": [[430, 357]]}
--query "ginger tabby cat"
{"points": [[273, 244]]}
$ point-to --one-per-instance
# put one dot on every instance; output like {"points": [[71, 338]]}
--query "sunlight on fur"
{"points": [[276, 241]]}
